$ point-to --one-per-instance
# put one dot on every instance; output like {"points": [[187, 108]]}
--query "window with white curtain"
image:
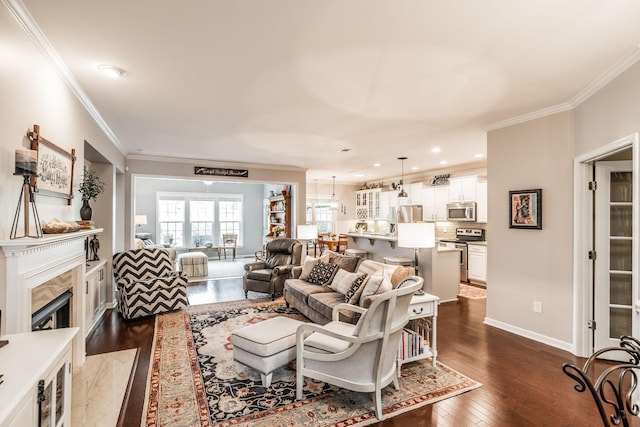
{"points": [[185, 218]]}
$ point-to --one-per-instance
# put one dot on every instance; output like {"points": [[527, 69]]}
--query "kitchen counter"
{"points": [[373, 237]]}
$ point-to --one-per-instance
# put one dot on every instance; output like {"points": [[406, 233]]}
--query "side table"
{"points": [[419, 336]]}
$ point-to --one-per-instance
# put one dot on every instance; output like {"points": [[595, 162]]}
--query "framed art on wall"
{"points": [[55, 168], [525, 209]]}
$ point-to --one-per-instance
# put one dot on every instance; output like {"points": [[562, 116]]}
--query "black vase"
{"points": [[85, 211]]}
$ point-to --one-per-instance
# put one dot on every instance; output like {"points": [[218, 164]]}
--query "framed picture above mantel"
{"points": [[525, 209], [55, 167]]}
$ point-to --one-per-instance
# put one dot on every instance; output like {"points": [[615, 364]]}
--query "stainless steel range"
{"points": [[464, 235]]}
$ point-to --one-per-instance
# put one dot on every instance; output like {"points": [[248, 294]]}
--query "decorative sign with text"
{"points": [[201, 170]]}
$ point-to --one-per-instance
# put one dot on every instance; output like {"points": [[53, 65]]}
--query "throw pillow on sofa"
{"points": [[347, 263], [355, 290], [309, 263], [377, 284], [342, 281], [322, 273]]}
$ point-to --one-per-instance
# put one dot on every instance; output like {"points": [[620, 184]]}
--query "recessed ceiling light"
{"points": [[478, 156], [112, 71], [376, 165], [435, 150], [358, 175], [414, 168], [443, 162]]}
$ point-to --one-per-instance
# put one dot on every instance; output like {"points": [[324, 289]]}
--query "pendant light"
{"points": [[403, 197], [334, 204]]}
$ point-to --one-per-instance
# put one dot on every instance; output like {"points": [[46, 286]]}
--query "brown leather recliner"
{"points": [[268, 276]]}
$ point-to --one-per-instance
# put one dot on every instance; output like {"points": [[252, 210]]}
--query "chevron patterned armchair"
{"points": [[147, 284]]}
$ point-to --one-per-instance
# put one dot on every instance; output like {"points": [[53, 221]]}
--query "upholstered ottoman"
{"points": [[266, 346], [194, 264]]}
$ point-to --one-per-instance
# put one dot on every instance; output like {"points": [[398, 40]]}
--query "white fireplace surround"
{"points": [[27, 263]]}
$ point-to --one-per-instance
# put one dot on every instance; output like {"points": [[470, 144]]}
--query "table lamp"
{"points": [[307, 232], [416, 235], [141, 220]]}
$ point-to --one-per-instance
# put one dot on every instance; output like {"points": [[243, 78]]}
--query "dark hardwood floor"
{"points": [[523, 384]]}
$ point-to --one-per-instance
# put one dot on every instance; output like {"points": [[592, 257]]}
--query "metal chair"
{"points": [[616, 386]]}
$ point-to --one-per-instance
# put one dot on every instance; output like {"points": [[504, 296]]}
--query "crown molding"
{"points": [[529, 116], [214, 163], [599, 83], [42, 43], [606, 78]]}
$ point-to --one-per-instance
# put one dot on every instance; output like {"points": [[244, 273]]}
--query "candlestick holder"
{"points": [[28, 199]]}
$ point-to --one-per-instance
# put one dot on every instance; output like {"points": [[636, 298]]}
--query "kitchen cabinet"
{"points": [[462, 189], [95, 293], [477, 259], [368, 203], [385, 206], [481, 201], [434, 202], [414, 191]]}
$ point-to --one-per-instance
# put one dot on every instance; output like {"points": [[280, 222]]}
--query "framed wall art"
{"points": [[55, 167], [525, 209]]}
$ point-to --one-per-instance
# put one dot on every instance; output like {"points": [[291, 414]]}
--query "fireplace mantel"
{"points": [[12, 247], [29, 262]]}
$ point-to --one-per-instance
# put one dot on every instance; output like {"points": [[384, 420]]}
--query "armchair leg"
{"points": [[377, 398], [299, 384]]}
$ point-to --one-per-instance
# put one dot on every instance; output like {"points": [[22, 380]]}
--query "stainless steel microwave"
{"points": [[461, 211]]}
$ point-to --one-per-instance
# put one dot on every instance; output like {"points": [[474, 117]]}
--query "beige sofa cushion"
{"points": [[342, 281], [309, 263]]}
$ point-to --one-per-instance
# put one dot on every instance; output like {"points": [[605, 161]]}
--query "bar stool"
{"points": [[392, 260], [356, 252]]}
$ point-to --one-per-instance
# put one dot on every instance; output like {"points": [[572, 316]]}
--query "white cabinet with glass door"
{"points": [[614, 266]]}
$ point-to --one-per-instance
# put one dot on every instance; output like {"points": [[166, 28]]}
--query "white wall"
{"points": [[184, 168], [610, 114], [528, 265], [145, 204], [32, 93]]}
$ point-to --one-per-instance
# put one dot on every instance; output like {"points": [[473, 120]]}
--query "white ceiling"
{"points": [[294, 82]]}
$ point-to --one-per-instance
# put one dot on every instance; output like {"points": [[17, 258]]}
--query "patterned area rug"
{"points": [[472, 292], [193, 379]]}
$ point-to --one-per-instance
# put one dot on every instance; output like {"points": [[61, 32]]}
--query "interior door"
{"points": [[614, 292]]}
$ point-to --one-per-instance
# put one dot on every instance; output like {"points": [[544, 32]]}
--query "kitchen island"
{"points": [[439, 267]]}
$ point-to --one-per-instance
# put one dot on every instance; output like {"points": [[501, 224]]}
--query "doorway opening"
{"points": [[606, 219]]}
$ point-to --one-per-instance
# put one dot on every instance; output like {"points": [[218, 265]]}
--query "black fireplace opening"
{"points": [[56, 314]]}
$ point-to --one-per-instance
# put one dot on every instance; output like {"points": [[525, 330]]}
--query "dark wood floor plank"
{"points": [[523, 384]]}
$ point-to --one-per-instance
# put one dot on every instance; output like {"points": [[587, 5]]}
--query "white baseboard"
{"points": [[553, 342]]}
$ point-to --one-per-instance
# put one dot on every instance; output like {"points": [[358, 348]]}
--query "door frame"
{"points": [[583, 237]]}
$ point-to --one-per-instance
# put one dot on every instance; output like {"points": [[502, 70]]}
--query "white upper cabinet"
{"points": [[462, 189], [434, 201], [481, 199], [385, 206], [415, 193]]}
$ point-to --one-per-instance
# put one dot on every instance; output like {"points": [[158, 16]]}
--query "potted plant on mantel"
{"points": [[90, 187]]}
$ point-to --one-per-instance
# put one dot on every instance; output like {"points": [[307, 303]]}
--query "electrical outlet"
{"points": [[537, 307]]}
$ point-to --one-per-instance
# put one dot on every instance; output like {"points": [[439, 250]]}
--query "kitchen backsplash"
{"points": [[447, 230]]}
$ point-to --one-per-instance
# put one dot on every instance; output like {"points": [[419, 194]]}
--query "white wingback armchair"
{"points": [[361, 357]]}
